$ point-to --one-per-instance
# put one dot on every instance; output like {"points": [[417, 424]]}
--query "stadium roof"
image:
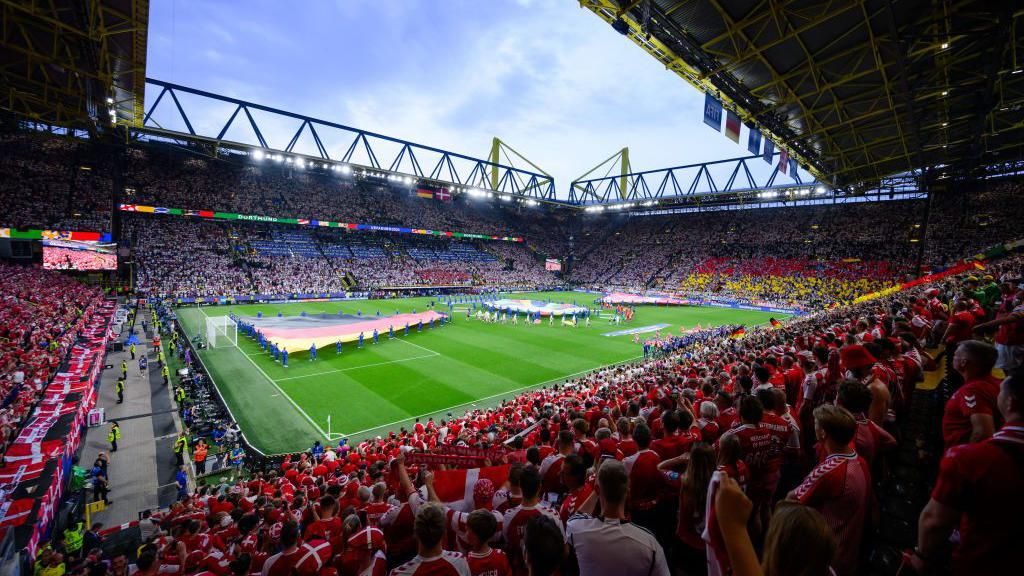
{"points": [[855, 89], [60, 60]]}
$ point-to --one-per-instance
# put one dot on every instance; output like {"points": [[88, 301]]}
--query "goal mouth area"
{"points": [[298, 333]]}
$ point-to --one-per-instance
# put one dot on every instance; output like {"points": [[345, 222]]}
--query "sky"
{"points": [[549, 78]]}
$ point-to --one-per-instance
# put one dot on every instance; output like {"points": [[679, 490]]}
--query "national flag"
{"points": [[16, 512], [424, 193], [775, 323], [732, 126], [769, 150], [161, 210], [127, 207], [146, 209], [792, 167], [15, 473], [303, 222], [5, 232], [783, 160], [443, 195], [21, 451], [738, 333], [206, 213], [712, 111], [754, 141], [455, 487]]}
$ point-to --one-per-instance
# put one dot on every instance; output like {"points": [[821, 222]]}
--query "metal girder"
{"points": [[854, 89], [499, 150], [748, 175], [72, 62], [326, 141], [620, 159]]}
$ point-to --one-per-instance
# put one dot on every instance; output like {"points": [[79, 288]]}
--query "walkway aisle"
{"points": [[148, 424]]}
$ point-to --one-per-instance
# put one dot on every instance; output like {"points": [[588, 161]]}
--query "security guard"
{"points": [[131, 349], [124, 369], [120, 390], [180, 446], [179, 396], [166, 374], [73, 539], [114, 435]]}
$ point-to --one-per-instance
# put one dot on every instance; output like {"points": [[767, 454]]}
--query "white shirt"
{"points": [[609, 547]]}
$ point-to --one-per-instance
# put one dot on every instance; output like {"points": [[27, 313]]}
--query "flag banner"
{"points": [[455, 487], [424, 193], [442, 195], [298, 333], [493, 454], [432, 459], [712, 111], [775, 323], [738, 333], [754, 141], [792, 167], [783, 160], [769, 150], [732, 126]]}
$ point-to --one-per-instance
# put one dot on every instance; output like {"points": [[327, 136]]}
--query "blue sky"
{"points": [[551, 79]]}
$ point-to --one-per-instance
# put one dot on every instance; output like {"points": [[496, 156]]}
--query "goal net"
{"points": [[221, 331]]}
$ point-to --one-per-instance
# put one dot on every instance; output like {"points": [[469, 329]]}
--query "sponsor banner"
{"points": [[10, 233], [34, 234]]}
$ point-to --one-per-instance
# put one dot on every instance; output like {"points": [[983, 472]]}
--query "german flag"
{"points": [[775, 323], [738, 333]]}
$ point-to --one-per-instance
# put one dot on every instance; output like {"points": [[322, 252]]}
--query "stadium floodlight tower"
{"points": [[221, 331]]}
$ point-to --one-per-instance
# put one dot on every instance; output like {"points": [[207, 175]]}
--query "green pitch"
{"points": [[381, 387]]}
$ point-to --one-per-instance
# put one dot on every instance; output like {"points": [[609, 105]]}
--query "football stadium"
{"points": [[511, 288]]}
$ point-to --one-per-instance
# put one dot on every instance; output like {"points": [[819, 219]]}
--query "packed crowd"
{"points": [[760, 454], [193, 258], [41, 313]]}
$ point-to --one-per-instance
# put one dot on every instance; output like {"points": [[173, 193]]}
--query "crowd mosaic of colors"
{"points": [[212, 215]]}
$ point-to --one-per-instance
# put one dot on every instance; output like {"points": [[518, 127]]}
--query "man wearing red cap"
{"points": [[970, 414]]}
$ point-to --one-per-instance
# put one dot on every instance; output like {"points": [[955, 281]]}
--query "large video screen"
{"points": [[79, 255], [553, 264]]}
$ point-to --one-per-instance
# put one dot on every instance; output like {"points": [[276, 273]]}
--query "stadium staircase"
{"points": [[905, 487]]}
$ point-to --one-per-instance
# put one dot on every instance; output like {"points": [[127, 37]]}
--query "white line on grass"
{"points": [[505, 393], [420, 347], [274, 384], [358, 367]]}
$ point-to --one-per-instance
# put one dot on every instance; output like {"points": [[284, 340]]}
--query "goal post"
{"points": [[221, 331]]}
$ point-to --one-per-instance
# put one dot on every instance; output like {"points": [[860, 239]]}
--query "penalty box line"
{"points": [[350, 368], [274, 384]]}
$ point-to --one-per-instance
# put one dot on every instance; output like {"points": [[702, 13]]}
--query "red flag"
{"points": [[16, 473], [783, 160], [16, 512], [455, 487]]}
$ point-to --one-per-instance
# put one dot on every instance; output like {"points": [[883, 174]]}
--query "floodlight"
{"points": [[257, 155], [346, 169]]}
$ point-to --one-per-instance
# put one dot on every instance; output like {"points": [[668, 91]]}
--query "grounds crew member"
{"points": [[114, 435], [199, 457], [119, 388], [180, 446]]}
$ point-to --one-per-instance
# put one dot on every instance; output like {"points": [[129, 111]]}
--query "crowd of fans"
{"points": [[41, 313], [764, 453]]}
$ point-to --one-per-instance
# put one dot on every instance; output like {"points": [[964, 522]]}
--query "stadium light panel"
{"points": [[278, 158], [257, 155], [945, 45], [346, 169], [820, 190], [110, 100], [408, 181]]}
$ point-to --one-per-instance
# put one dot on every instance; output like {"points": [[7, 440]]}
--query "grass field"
{"points": [[382, 387]]}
